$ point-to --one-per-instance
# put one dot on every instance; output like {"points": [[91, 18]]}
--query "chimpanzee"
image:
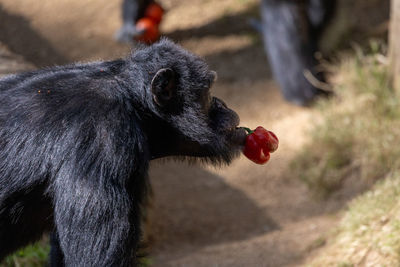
{"points": [[132, 11], [291, 30], [76, 141]]}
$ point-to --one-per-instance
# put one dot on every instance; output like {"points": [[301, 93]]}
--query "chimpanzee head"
{"points": [[187, 120]]}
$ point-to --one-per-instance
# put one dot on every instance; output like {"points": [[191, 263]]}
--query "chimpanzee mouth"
{"points": [[237, 135]]}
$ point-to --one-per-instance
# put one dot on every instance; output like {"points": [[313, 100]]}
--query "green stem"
{"points": [[248, 130]]}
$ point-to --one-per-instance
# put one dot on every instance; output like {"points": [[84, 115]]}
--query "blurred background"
{"points": [[330, 196]]}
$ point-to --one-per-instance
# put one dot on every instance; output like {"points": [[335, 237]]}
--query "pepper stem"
{"points": [[248, 130]]}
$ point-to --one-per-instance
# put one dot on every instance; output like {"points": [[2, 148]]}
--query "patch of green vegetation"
{"points": [[36, 255], [145, 262], [359, 130], [33, 256], [317, 243]]}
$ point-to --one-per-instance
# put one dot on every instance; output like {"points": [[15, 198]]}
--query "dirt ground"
{"points": [[240, 215]]}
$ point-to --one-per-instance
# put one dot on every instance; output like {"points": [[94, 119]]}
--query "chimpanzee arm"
{"points": [[130, 11], [95, 193], [56, 255], [94, 224]]}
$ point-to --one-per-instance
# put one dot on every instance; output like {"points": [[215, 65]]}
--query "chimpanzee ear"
{"points": [[163, 86]]}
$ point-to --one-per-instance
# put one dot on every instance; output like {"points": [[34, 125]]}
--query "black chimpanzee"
{"points": [[76, 141], [291, 30], [132, 10]]}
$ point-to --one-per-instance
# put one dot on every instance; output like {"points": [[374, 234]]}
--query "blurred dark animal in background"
{"points": [[291, 30], [132, 11], [76, 142]]}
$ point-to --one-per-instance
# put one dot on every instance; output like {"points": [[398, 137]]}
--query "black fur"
{"points": [[76, 141], [291, 30]]}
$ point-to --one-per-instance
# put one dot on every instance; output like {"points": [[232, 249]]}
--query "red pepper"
{"points": [[150, 30], [155, 12], [259, 144], [149, 24]]}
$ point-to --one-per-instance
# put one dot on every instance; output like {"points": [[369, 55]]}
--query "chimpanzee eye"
{"points": [[210, 83], [212, 77], [207, 85]]}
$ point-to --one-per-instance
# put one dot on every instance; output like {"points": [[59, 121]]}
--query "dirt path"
{"points": [[241, 215]]}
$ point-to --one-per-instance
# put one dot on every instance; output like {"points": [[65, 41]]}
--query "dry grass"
{"points": [[357, 138], [369, 234], [360, 129]]}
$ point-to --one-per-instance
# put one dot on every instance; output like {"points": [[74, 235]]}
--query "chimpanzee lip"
{"points": [[238, 136]]}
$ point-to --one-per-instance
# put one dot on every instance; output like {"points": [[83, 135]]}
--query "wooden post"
{"points": [[394, 44]]}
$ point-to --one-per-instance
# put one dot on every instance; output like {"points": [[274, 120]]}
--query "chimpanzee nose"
{"points": [[221, 116]]}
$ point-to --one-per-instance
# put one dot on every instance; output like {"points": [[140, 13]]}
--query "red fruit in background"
{"points": [[155, 12], [259, 144], [150, 29]]}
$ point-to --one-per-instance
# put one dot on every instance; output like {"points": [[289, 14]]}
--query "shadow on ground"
{"points": [[248, 63], [225, 25], [214, 211], [18, 35]]}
